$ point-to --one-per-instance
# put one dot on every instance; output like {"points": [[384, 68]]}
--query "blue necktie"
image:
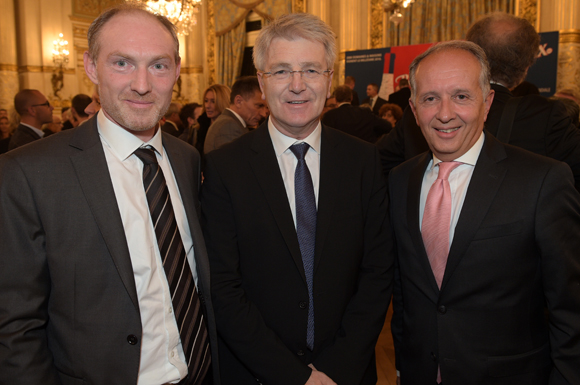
{"points": [[305, 227]]}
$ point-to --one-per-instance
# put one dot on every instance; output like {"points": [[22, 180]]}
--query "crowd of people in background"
{"points": [[311, 211]]}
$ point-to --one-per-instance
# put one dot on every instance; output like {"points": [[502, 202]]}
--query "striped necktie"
{"points": [[187, 306]]}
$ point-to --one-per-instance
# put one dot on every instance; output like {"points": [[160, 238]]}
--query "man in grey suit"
{"points": [[34, 110], [246, 109], [88, 278]]}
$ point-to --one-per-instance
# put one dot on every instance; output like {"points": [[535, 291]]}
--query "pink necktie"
{"points": [[436, 221]]}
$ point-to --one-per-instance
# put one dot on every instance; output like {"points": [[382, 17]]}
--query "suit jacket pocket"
{"points": [[529, 362], [499, 230]]}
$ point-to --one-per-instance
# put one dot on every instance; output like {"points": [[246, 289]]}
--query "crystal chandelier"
{"points": [[180, 12], [394, 7]]}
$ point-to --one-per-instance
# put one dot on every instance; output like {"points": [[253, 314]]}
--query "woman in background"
{"points": [[216, 98], [392, 113], [5, 133]]}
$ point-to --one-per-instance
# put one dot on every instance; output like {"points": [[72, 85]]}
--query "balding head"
{"points": [[510, 43]]}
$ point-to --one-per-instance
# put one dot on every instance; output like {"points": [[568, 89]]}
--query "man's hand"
{"points": [[318, 378]]}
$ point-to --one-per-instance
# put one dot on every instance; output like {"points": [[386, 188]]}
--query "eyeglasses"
{"points": [[46, 104], [308, 74]]}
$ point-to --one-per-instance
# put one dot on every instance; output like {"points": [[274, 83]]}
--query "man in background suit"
{"points": [[350, 81], [246, 109], [34, 110], [355, 121], [373, 99], [487, 237], [540, 125], [84, 293], [173, 124], [401, 97], [300, 250]]}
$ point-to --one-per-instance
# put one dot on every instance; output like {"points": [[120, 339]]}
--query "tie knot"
{"points": [[445, 169], [300, 150], [146, 154]]}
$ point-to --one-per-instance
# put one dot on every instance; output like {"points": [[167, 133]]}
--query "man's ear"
{"points": [[260, 80], [90, 67], [412, 105]]}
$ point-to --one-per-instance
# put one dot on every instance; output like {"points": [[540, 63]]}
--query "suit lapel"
{"points": [[267, 171], [485, 182], [93, 174], [413, 205], [330, 174]]}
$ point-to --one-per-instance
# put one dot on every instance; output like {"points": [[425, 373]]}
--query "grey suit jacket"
{"points": [[68, 304], [22, 135], [515, 251], [226, 128]]}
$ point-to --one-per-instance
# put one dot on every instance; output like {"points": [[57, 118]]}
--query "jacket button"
{"points": [[132, 339], [302, 305], [433, 356], [300, 352], [442, 309]]}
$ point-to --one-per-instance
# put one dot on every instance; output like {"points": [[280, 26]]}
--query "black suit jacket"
{"points": [[171, 128], [540, 125], [401, 97], [378, 104], [358, 122], [355, 99], [514, 252], [69, 312], [258, 283], [21, 136]]}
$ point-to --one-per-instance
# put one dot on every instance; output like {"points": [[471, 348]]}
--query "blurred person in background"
{"points": [[216, 98], [188, 115], [391, 113], [34, 110], [5, 133], [95, 105]]}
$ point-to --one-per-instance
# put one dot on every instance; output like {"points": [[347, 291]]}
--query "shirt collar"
{"points": [[121, 142], [470, 157], [39, 132], [237, 116], [282, 142]]}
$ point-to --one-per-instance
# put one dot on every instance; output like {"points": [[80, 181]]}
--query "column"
{"points": [[564, 16], [8, 60]]}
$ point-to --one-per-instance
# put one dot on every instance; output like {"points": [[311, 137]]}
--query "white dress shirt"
{"points": [[162, 357], [458, 182], [288, 161]]}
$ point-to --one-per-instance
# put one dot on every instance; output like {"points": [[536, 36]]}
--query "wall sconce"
{"points": [[60, 59]]}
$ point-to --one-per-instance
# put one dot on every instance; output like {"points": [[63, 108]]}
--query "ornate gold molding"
{"points": [[528, 9], [45, 69], [8, 67], [192, 70], [376, 22], [570, 36], [299, 6], [211, 59]]}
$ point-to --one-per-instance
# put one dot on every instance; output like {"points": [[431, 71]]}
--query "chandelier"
{"points": [[395, 7], [180, 12]]}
